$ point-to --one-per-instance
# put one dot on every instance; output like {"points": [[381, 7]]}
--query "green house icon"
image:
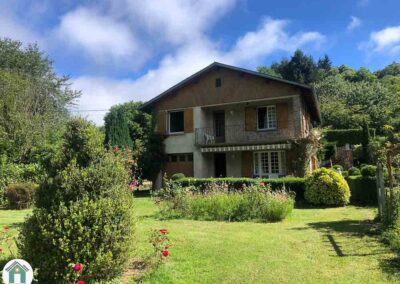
{"points": [[17, 273]]}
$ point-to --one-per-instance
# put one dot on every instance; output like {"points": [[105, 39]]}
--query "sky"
{"points": [[131, 50]]}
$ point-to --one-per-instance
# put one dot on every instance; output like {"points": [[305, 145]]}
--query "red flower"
{"points": [[80, 282], [165, 253], [6, 228], [78, 267], [163, 231], [262, 184]]}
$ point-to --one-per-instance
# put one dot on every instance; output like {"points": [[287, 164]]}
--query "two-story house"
{"points": [[228, 121]]}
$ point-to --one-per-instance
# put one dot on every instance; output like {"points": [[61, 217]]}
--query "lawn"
{"points": [[336, 245]]}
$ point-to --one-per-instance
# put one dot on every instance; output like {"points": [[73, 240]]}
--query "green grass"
{"points": [[335, 245]]}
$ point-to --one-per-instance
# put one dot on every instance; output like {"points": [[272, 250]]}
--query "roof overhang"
{"points": [[218, 149]]}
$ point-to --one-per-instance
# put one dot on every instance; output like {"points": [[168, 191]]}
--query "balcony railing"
{"points": [[236, 134]]}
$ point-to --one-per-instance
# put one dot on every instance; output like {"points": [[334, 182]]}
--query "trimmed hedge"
{"points": [[343, 136], [294, 184], [363, 190]]}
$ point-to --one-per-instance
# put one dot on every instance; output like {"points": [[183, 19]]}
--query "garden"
{"points": [[75, 203]]}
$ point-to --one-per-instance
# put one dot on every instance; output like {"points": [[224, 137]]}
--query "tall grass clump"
{"points": [[218, 203]]}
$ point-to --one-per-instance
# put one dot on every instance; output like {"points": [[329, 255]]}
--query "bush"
{"points": [[84, 213], [353, 171], [344, 136], [338, 167], [368, 171], [363, 190], [294, 184], [219, 204], [20, 195], [95, 233], [177, 176], [327, 187]]}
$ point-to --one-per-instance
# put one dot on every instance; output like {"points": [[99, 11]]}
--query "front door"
{"points": [[219, 126], [220, 164]]}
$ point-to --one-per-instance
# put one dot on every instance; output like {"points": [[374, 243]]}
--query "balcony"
{"points": [[236, 134]]}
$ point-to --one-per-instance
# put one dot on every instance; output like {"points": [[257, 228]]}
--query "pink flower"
{"points": [[262, 184], [78, 267], [80, 282], [165, 253], [133, 185], [163, 231]]}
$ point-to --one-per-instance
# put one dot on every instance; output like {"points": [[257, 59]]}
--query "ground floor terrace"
{"points": [[262, 160]]}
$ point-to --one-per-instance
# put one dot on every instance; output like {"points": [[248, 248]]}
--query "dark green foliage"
{"points": [[338, 167], [20, 195], [98, 234], [268, 71], [327, 187], [363, 190], [295, 184], [84, 212], [117, 129], [365, 139], [329, 150], [368, 171], [390, 70], [354, 171], [177, 176], [344, 136]]}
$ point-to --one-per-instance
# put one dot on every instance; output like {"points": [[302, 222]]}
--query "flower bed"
{"points": [[220, 203]]}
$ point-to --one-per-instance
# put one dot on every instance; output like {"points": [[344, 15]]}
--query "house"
{"points": [[228, 121]]}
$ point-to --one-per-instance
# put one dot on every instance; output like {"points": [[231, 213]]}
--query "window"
{"points": [[174, 158], [190, 157], [269, 164], [218, 82], [182, 158], [176, 122], [266, 117]]}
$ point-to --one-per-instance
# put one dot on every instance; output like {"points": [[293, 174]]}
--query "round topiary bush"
{"points": [[177, 176], [368, 171], [354, 171], [20, 195], [327, 187]]}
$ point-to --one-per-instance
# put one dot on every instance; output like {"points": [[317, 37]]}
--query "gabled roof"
{"points": [[308, 89]]}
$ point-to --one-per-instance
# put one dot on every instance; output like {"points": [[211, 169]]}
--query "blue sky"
{"points": [[121, 50]]}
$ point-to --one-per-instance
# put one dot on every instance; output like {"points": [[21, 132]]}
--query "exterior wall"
{"points": [[236, 87]]}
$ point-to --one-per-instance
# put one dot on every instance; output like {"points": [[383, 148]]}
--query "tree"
{"points": [[390, 70], [268, 71], [117, 129], [33, 102]]}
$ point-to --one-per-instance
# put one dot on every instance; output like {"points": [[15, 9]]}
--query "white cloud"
{"points": [[100, 36], [270, 37], [354, 23], [386, 40]]}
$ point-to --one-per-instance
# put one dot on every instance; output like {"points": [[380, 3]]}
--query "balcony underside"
{"points": [[238, 148]]}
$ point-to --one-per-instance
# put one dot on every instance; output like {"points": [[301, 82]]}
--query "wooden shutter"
{"points": [[161, 122], [282, 113], [250, 119], [247, 164], [188, 120]]}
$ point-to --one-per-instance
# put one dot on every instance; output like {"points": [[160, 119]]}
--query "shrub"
{"points": [[344, 136], [177, 176], [294, 184], [84, 213], [96, 233], [251, 203], [363, 190], [354, 171], [327, 187], [20, 195], [338, 167], [368, 171]]}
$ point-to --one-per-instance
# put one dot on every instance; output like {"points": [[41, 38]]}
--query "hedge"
{"points": [[294, 184], [363, 190], [344, 136]]}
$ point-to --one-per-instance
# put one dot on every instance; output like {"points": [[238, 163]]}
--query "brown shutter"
{"points": [[283, 115], [247, 164], [250, 119], [188, 120], [161, 122]]}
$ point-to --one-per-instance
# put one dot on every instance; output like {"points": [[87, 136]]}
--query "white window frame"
{"points": [[169, 122], [257, 164], [267, 107]]}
